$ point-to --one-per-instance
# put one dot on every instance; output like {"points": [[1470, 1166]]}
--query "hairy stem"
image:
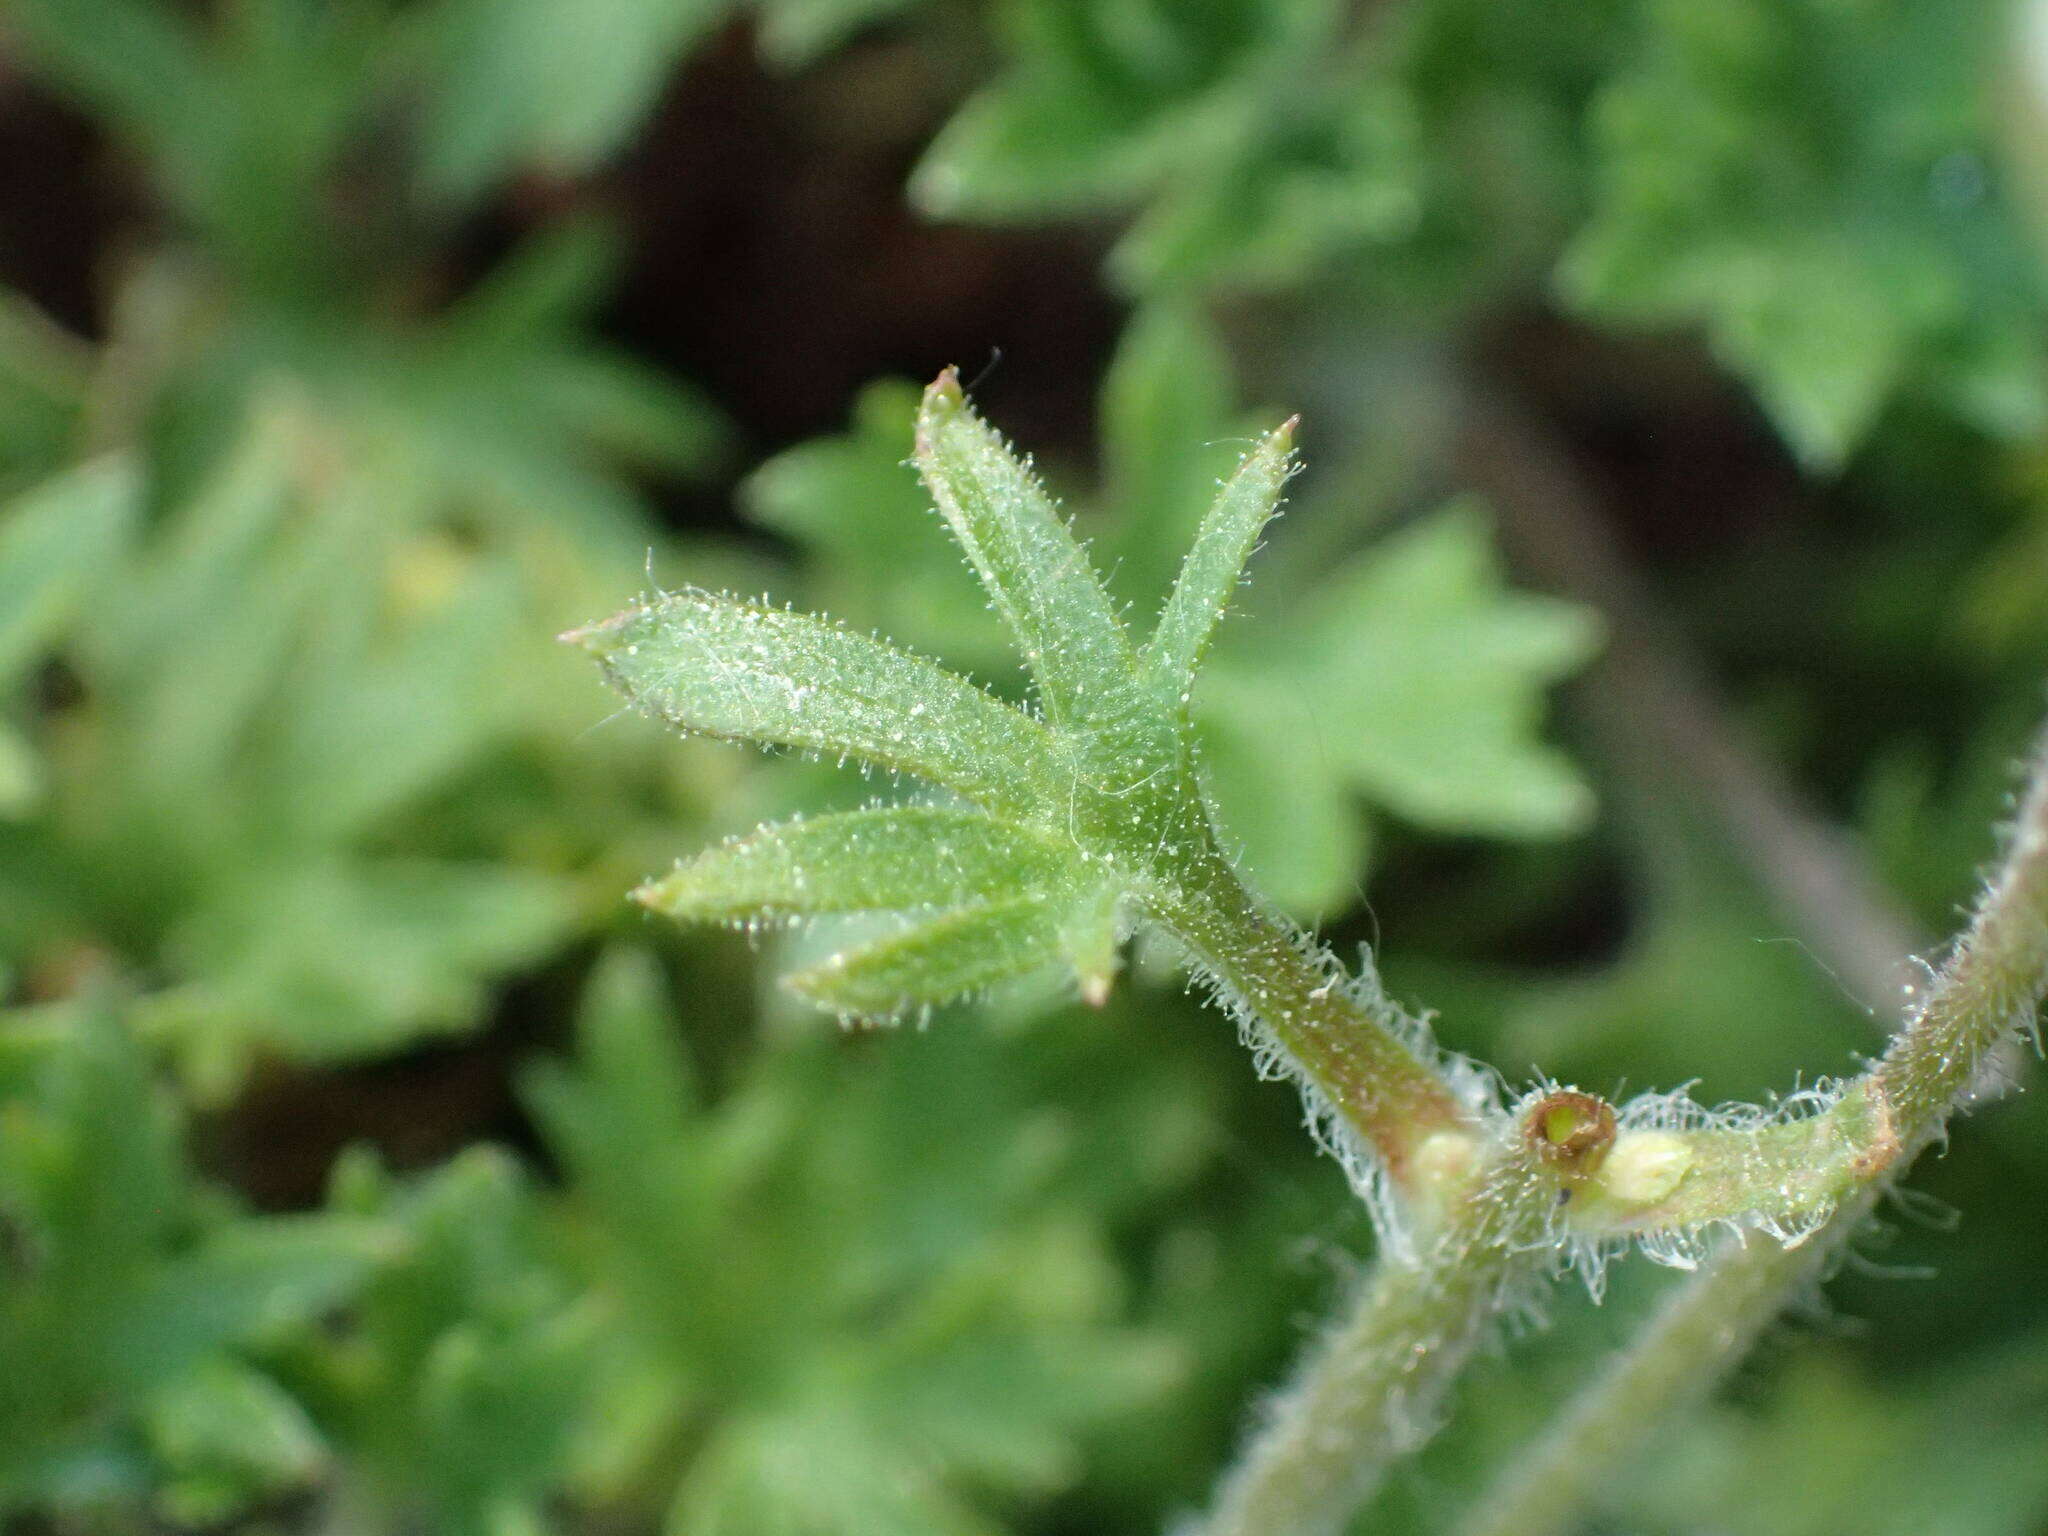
{"points": [[1371, 1389], [1707, 1323], [1368, 1391], [1651, 708], [1788, 1175], [1359, 1053], [1989, 990]]}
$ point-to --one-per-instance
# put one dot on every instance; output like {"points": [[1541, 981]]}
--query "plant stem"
{"points": [[1707, 1323], [1988, 991], [1361, 1054], [1370, 1390], [1368, 1393]]}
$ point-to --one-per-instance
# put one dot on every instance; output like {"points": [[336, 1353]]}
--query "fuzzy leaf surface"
{"points": [[1037, 575], [897, 859], [960, 952], [754, 673], [1215, 565], [56, 539]]}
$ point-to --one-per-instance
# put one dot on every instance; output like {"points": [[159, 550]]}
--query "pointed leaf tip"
{"points": [[596, 636], [1214, 566], [1035, 573]]}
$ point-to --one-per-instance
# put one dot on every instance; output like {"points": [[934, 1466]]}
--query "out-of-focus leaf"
{"points": [[1094, 108], [136, 62], [1304, 840], [814, 1473], [906, 1190], [127, 1291], [43, 378], [303, 658], [799, 32], [1412, 679], [551, 86], [1811, 184], [458, 1379], [510, 376], [365, 734], [56, 543], [331, 960], [1166, 402], [1432, 151], [229, 1436], [21, 774], [1947, 1454]]}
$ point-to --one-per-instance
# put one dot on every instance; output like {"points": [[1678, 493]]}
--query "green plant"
{"points": [[1062, 828], [1807, 183], [367, 1167], [137, 1300]]}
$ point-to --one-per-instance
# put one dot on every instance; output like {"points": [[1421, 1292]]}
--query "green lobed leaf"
{"points": [[897, 1213], [958, 953], [897, 859], [1341, 172], [754, 673], [56, 540], [1215, 565], [1037, 575], [1099, 104]]}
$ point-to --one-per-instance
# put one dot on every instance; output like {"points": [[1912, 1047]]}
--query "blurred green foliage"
{"points": [[293, 779]]}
